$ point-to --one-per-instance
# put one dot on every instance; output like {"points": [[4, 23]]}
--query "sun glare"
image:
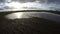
{"points": [[23, 6], [15, 4]]}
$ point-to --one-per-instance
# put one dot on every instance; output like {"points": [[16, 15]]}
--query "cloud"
{"points": [[31, 5]]}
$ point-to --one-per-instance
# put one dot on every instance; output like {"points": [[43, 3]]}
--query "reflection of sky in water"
{"points": [[35, 4]]}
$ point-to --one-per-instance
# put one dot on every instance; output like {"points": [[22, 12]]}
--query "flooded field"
{"points": [[29, 23]]}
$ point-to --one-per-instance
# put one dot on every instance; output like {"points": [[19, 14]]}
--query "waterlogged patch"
{"points": [[17, 15], [44, 15]]}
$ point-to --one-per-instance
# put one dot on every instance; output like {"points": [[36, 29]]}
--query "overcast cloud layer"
{"points": [[32, 4]]}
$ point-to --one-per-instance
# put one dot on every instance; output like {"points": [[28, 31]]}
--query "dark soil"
{"points": [[32, 25]]}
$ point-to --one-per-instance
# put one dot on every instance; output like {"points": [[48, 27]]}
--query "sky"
{"points": [[30, 4]]}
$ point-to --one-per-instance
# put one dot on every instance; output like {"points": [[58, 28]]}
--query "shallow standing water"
{"points": [[36, 23]]}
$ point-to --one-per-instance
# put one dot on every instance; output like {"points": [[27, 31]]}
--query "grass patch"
{"points": [[55, 12]]}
